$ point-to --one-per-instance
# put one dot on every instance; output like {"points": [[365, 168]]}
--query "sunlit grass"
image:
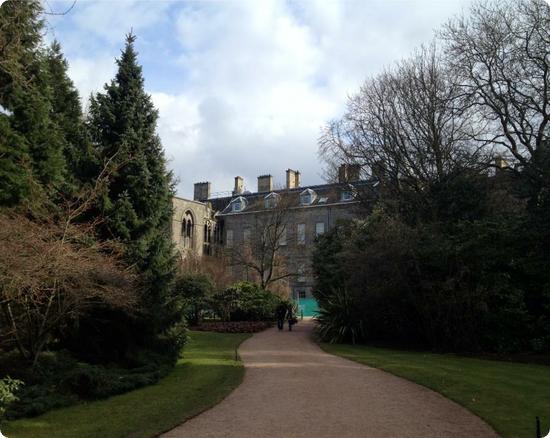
{"points": [[506, 395], [206, 374]]}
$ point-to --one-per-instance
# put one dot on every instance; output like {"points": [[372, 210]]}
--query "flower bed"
{"points": [[233, 326]]}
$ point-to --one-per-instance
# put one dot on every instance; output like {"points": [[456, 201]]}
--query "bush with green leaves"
{"points": [[191, 295], [8, 388], [60, 380], [245, 301], [464, 286]]}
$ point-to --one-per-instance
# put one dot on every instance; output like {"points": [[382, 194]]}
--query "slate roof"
{"points": [[327, 194]]}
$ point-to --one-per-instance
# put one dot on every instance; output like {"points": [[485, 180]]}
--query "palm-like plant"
{"points": [[338, 320]]}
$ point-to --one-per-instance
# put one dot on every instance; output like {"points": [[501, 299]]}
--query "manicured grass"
{"points": [[506, 395], [203, 377]]}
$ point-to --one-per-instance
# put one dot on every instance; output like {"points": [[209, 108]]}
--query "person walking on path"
{"points": [[280, 313], [290, 316]]}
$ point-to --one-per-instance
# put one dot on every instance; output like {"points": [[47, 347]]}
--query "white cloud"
{"points": [[265, 76], [111, 20], [252, 82], [90, 74]]}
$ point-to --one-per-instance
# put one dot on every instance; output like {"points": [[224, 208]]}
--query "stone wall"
{"points": [[190, 241]]}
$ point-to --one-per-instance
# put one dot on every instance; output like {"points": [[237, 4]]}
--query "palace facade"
{"points": [[211, 225]]}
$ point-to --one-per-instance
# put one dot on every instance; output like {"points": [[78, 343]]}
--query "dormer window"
{"points": [[307, 197], [238, 204], [271, 200], [346, 195]]}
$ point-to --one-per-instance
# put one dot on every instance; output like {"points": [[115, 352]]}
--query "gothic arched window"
{"points": [[188, 230]]}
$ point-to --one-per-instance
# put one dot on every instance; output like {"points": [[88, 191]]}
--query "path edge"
{"points": [[237, 359], [451, 399]]}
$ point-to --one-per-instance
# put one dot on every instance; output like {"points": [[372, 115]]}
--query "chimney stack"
{"points": [[202, 191], [297, 179], [265, 183], [349, 173], [354, 172], [292, 179], [239, 185], [501, 163], [342, 173]]}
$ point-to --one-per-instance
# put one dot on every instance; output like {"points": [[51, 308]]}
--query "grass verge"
{"points": [[203, 377], [507, 395]]}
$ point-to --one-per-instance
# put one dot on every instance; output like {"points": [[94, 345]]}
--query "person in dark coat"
{"points": [[280, 313], [290, 316]]}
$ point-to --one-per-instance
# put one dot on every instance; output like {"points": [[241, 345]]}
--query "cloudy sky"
{"points": [[244, 87]]}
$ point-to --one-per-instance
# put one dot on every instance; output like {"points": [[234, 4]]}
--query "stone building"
{"points": [[193, 224], [209, 225]]}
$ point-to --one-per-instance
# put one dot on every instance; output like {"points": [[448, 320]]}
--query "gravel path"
{"points": [[293, 389]]}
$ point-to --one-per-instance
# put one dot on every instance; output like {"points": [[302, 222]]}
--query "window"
{"points": [[218, 233], [271, 200], [238, 204], [307, 197], [187, 230], [229, 238], [301, 294], [301, 273], [282, 238], [246, 236], [301, 234], [207, 247], [319, 228], [347, 195]]}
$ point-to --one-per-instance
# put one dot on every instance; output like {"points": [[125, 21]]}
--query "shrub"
{"points": [[461, 287], [172, 342], [46, 263], [234, 326], [59, 380], [36, 399], [91, 382], [339, 320], [245, 301], [8, 388], [191, 294]]}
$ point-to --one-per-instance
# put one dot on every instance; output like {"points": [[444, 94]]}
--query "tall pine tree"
{"points": [[66, 113], [137, 204], [31, 149]]}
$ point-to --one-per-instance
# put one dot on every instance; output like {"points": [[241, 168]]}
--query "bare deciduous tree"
{"points": [[265, 240], [406, 127], [52, 270], [500, 56], [216, 267], [49, 275]]}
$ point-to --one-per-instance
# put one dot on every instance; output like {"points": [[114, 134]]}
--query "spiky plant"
{"points": [[338, 320]]}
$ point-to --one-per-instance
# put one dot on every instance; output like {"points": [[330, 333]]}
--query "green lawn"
{"points": [[203, 377], [506, 395]]}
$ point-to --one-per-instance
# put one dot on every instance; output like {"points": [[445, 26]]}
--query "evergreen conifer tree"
{"points": [[67, 114], [137, 204], [30, 141]]}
